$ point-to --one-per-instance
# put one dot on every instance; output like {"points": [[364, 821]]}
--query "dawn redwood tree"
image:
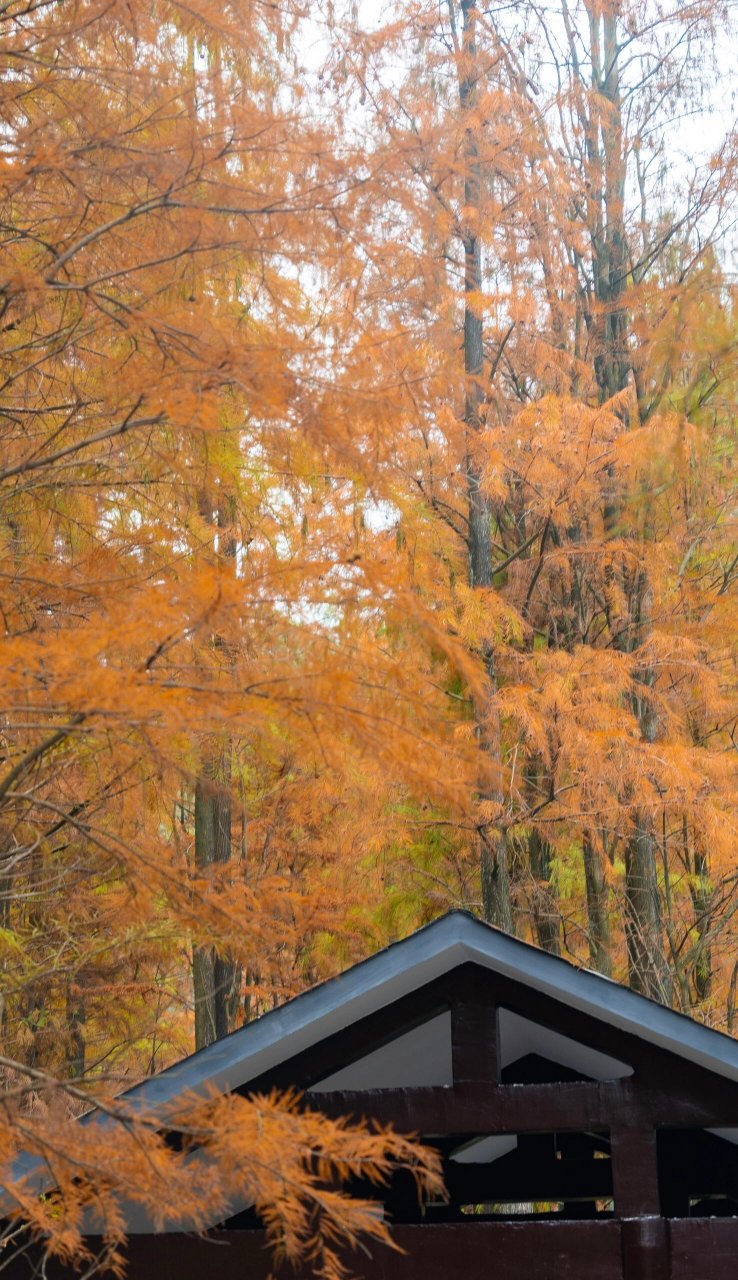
{"points": [[494, 869], [156, 347], [606, 149], [534, 216]]}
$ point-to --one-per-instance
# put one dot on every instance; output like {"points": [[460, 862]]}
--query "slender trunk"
{"points": [[546, 914], [75, 1052], [214, 975], [702, 899], [647, 960], [495, 878], [648, 966], [598, 914], [544, 909], [615, 265], [607, 226], [36, 992], [493, 852], [6, 898], [730, 1011]]}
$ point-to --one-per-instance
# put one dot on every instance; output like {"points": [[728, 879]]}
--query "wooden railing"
{"points": [[647, 1248]]}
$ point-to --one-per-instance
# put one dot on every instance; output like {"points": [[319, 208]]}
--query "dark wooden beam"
{"points": [[703, 1249], [474, 1029], [692, 1249], [484, 1109], [474, 1250], [634, 1172]]}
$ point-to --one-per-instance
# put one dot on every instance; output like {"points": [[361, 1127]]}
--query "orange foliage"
{"points": [[243, 438]]}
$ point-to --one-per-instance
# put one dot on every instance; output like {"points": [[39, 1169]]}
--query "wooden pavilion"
{"points": [[587, 1133]]}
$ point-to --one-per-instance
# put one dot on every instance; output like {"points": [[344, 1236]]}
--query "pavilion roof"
{"points": [[403, 967]]}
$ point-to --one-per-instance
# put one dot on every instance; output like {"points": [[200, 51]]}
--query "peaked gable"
{"points": [[514, 1063], [411, 964]]}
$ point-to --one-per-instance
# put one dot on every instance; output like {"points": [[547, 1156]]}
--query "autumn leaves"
{"points": [[366, 517]]}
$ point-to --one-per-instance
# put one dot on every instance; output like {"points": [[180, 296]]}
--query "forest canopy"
{"points": [[368, 540]]}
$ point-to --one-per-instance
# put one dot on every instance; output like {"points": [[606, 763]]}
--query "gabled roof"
{"points": [[403, 968], [396, 972]]}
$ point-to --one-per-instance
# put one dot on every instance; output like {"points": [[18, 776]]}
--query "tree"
{"points": [[537, 216], [153, 352], [367, 529]]}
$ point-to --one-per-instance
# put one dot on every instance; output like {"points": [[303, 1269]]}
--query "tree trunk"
{"points": [[544, 909], [75, 1052], [647, 961], [598, 915], [648, 966], [495, 873], [702, 897], [214, 975], [546, 914], [493, 852], [610, 259]]}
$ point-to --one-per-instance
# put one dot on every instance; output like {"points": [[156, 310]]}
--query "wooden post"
{"points": [[474, 1033], [636, 1192], [634, 1173], [645, 1244]]}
